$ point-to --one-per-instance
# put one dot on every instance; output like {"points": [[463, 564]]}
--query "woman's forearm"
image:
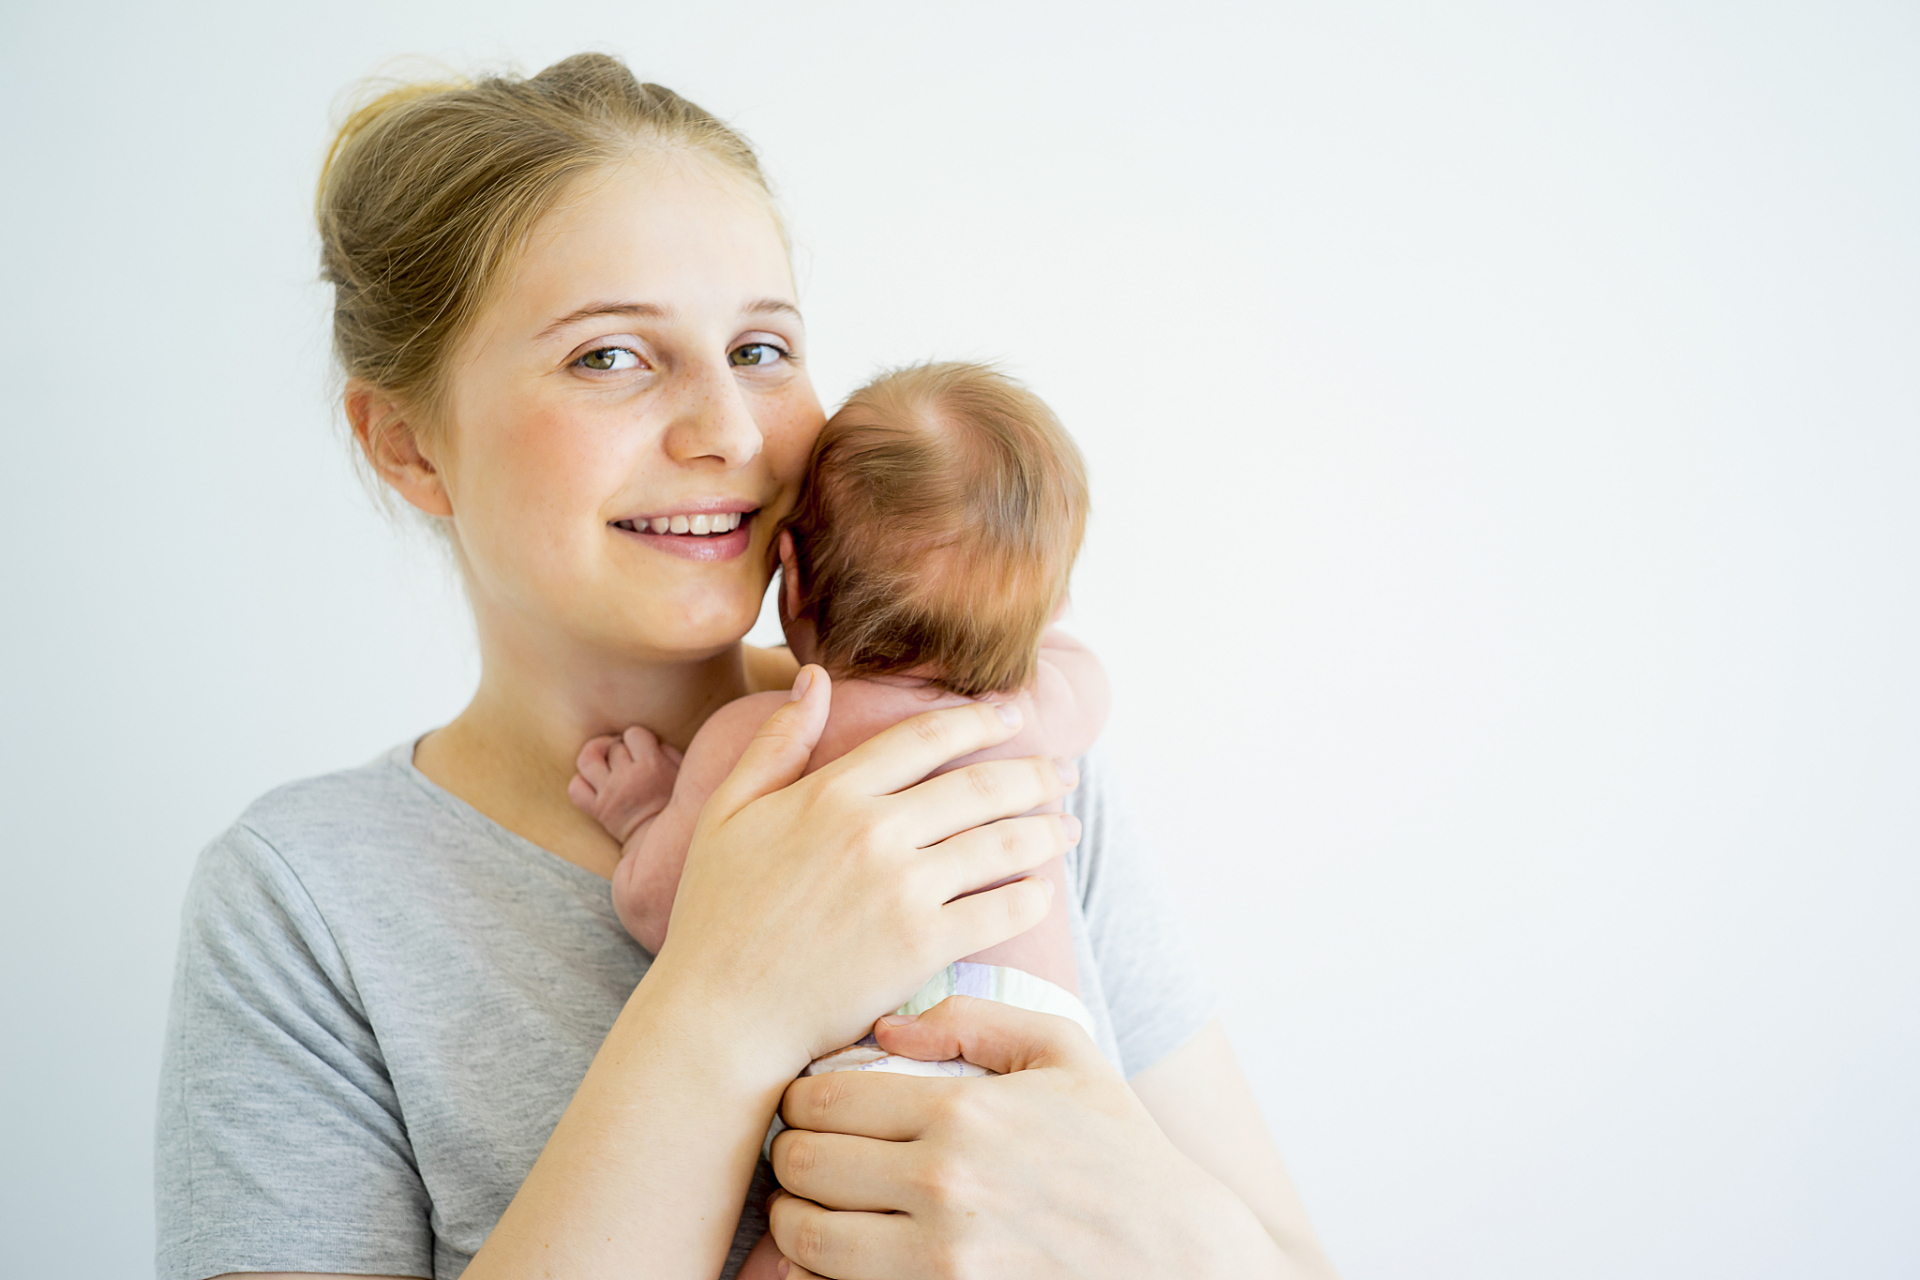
{"points": [[646, 1170], [1202, 1102]]}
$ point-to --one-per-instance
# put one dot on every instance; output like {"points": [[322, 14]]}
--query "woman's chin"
{"points": [[696, 633]]}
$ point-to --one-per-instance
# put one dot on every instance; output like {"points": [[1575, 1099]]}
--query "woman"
{"points": [[408, 1035]]}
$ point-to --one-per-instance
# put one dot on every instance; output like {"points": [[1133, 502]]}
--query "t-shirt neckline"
{"points": [[596, 887]]}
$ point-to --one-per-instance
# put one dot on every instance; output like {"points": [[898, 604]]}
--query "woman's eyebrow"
{"points": [[645, 310], [767, 305], [655, 311]]}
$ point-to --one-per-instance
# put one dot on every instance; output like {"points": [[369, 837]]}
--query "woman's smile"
{"points": [[706, 531]]}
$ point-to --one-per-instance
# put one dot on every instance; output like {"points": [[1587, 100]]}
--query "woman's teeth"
{"points": [[721, 522]]}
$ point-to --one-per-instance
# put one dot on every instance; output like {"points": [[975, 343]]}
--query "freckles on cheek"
{"points": [[790, 437], [559, 469]]}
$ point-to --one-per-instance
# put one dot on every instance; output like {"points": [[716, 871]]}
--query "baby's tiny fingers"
{"points": [[592, 761]]}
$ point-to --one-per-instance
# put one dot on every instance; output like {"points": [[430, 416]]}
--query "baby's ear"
{"points": [[789, 574]]}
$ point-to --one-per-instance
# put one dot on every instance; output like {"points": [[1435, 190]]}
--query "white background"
{"points": [[1503, 427]]}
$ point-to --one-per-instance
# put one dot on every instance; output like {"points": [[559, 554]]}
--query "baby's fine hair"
{"points": [[937, 527]]}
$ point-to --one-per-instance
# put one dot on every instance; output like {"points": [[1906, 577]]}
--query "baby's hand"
{"points": [[624, 781]]}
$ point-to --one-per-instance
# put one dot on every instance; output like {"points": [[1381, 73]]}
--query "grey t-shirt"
{"points": [[383, 1001]]}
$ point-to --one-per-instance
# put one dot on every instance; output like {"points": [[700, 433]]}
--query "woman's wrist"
{"points": [[741, 1047]]}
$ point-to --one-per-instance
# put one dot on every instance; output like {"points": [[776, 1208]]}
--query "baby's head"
{"points": [[936, 530]]}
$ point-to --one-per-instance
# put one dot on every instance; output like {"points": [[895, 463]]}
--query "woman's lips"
{"points": [[707, 546]]}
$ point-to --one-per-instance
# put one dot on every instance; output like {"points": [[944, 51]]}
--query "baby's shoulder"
{"points": [[862, 708], [727, 731], [750, 711]]}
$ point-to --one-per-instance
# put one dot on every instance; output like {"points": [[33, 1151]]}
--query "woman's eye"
{"points": [[751, 354], [609, 358]]}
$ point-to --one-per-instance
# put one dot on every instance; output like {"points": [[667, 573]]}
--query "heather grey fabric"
{"points": [[383, 1001]]}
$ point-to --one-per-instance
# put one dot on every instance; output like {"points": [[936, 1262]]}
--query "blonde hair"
{"points": [[937, 527], [429, 190]]}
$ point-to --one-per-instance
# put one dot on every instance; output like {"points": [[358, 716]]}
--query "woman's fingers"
{"points": [[778, 754], [989, 854], [843, 1172], [964, 798], [980, 920], [847, 1246], [899, 756], [865, 1104], [989, 1034]]}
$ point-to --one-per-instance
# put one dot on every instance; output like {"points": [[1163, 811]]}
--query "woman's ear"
{"points": [[789, 575], [391, 446]]}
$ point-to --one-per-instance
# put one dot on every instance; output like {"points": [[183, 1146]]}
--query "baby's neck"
{"points": [[801, 640]]}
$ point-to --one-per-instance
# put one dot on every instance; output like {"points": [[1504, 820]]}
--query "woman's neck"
{"points": [[512, 751]]}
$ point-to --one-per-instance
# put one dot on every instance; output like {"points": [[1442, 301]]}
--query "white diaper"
{"points": [[1016, 987]]}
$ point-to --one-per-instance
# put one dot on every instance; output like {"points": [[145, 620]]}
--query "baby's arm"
{"points": [[655, 849], [1067, 706], [1063, 712]]}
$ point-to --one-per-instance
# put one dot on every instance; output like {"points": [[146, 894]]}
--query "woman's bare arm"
{"points": [[1200, 1099], [795, 894]]}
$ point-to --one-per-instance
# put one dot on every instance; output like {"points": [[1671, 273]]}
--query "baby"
{"points": [[923, 566]]}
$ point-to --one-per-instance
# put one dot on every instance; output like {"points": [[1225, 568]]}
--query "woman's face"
{"points": [[629, 417]]}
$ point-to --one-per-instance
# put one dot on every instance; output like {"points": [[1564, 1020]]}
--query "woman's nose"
{"points": [[713, 419]]}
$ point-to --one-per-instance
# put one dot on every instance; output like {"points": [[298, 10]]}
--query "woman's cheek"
{"points": [[790, 441], [800, 418]]}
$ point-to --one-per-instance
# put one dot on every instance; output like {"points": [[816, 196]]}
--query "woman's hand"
{"points": [[1051, 1169], [810, 905]]}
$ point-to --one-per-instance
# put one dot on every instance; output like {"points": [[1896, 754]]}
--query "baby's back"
{"points": [[863, 708]]}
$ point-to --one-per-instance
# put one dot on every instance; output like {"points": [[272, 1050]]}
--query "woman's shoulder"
{"points": [[331, 801], [359, 835], [360, 844], [298, 835], [373, 876], [374, 808]]}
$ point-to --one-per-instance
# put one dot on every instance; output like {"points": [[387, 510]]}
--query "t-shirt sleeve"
{"points": [[1156, 991], [279, 1142]]}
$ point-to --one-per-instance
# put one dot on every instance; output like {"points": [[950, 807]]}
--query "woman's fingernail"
{"points": [[1071, 826], [1009, 714], [783, 1268], [1069, 771], [899, 1019], [801, 683]]}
